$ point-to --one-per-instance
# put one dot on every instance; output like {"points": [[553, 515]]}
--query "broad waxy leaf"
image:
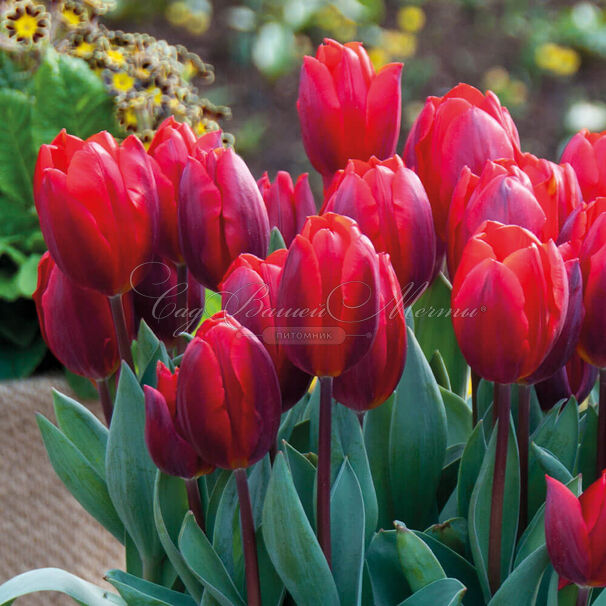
{"points": [[445, 592]]}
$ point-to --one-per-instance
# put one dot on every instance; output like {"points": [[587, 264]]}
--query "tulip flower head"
{"points": [[509, 300], [346, 109], [574, 532], [586, 152]]}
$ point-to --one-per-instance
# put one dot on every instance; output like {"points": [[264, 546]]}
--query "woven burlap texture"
{"points": [[41, 524]]}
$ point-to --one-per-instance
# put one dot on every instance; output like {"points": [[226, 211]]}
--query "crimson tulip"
{"points": [[156, 300], [510, 299], [97, 203], [249, 293], [170, 148], [76, 323], [391, 207], [171, 453], [373, 379], [575, 532], [328, 300], [287, 205], [221, 214], [586, 152], [576, 378], [346, 109], [462, 128], [228, 395]]}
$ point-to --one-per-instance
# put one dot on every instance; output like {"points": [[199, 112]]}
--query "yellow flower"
{"points": [[119, 82], [411, 19], [559, 60], [115, 56], [398, 44], [84, 49], [74, 15], [28, 22]]}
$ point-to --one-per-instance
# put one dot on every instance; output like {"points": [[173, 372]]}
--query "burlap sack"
{"points": [[41, 524]]}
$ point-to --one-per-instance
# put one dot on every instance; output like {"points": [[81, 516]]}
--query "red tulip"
{"points": [[391, 207], [228, 396], [510, 298], [76, 323], [575, 533], [156, 300], [97, 204], [170, 452], [462, 128], [346, 109], [287, 205], [373, 379], [576, 378], [328, 301], [221, 214], [249, 293], [586, 152], [170, 148]]}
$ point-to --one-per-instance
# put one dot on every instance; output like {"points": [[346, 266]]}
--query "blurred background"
{"points": [[545, 59]]}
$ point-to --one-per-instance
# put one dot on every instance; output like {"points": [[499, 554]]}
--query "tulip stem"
{"points": [[106, 400], [475, 383], [601, 450], [195, 502], [502, 406], [119, 318], [583, 596], [182, 308], [323, 503], [523, 437], [251, 565]]}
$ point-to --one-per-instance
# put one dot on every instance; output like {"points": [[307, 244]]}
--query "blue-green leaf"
{"points": [[444, 592], [138, 592]]}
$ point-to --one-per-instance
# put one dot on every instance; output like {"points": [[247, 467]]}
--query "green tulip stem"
{"points": [[583, 596], [122, 336], [475, 383], [106, 399], [181, 308], [249, 542], [323, 498], [523, 438], [601, 447], [195, 502], [502, 405]]}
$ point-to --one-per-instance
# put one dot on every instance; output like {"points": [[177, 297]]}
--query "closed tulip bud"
{"points": [[171, 453], [510, 299], [586, 152], [346, 109], [249, 293], [373, 379], [156, 299], [221, 214], [98, 205], [328, 300], [576, 378], [76, 323], [391, 207], [462, 128], [287, 205], [170, 149], [574, 533], [228, 396]]}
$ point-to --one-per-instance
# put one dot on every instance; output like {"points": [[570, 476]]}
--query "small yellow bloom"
{"points": [[84, 49], [115, 56], [28, 22], [559, 60], [398, 44], [411, 19], [122, 82], [73, 14]]}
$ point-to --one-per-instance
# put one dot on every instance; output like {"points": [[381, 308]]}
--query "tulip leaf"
{"points": [[389, 585], [276, 241], [17, 153], [434, 331], [206, 564], [549, 464], [347, 535], [448, 478], [588, 447], [440, 372], [222, 477], [131, 474], [452, 533], [148, 351], [377, 425], [138, 592], [170, 507], [522, 585], [83, 429], [469, 468], [291, 543], [445, 592], [458, 417], [68, 94], [479, 511], [80, 477], [304, 477], [272, 588], [223, 531], [420, 565], [417, 441], [258, 478], [54, 579]]}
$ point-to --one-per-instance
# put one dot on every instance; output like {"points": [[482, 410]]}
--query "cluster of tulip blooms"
{"points": [[140, 235]]}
